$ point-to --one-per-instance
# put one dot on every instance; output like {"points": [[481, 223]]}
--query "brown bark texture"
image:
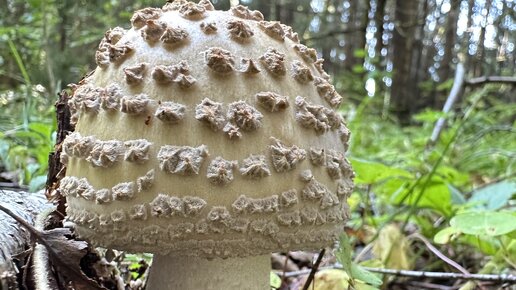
{"points": [[403, 84]]}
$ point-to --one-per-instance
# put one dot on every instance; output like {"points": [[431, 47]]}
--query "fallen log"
{"points": [[15, 239]]}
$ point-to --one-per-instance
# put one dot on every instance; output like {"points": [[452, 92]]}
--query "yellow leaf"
{"points": [[331, 279], [393, 248]]}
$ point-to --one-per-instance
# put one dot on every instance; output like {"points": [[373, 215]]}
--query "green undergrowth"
{"points": [[458, 194]]}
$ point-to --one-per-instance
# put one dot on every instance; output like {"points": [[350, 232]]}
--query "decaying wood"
{"points": [[491, 79], [14, 238], [55, 167]]}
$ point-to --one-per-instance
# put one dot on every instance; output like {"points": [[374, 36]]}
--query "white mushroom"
{"points": [[197, 149]]}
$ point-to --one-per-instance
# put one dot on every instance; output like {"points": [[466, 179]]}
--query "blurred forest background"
{"points": [[394, 61]]}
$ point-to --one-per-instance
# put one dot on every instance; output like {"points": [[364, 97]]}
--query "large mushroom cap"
{"points": [[209, 133]]}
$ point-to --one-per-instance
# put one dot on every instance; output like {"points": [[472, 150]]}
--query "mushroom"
{"points": [[210, 154]]}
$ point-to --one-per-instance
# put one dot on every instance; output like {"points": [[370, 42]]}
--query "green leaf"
{"points": [[275, 281], [44, 129], [32, 136], [359, 53], [484, 223], [436, 196], [344, 253], [494, 196], [445, 235], [372, 172], [457, 197], [37, 183], [358, 68], [485, 244], [362, 274], [428, 115]]}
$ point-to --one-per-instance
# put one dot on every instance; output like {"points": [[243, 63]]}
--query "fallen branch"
{"points": [[313, 270], [439, 254], [420, 274], [445, 275], [459, 82], [456, 89], [490, 79]]}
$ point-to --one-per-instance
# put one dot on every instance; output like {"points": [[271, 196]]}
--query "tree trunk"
{"points": [[449, 44], [356, 40], [378, 20], [479, 61], [403, 92]]}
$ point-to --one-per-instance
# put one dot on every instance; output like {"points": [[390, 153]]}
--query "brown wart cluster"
{"points": [[75, 187], [319, 67], [170, 112], [290, 34], [335, 162], [345, 187], [124, 191], [317, 156], [183, 160], [327, 92], [173, 36], [218, 220], [317, 117], [272, 101], [248, 205], [219, 60], [248, 66], [314, 190], [210, 113], [77, 146], [167, 206], [134, 105], [145, 182], [110, 50], [220, 171], [244, 12], [98, 153], [178, 74], [232, 131], [301, 72], [153, 31], [208, 27], [86, 98], [239, 30], [106, 153], [255, 167], [308, 54], [274, 62], [192, 10], [288, 198], [244, 116], [344, 135], [273, 29], [110, 99], [137, 150], [285, 158], [134, 74], [141, 17]]}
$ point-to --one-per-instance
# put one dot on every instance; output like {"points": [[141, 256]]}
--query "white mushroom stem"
{"points": [[172, 272]]}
